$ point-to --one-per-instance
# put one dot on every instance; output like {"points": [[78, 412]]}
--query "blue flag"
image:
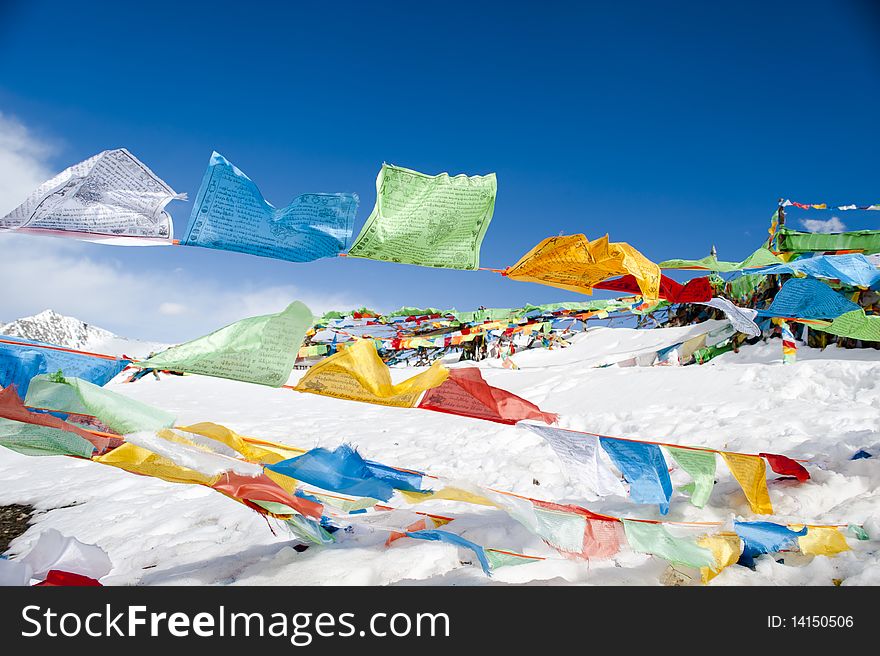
{"points": [[457, 540], [807, 298], [644, 468], [764, 537], [850, 268], [341, 470], [231, 214], [22, 361]]}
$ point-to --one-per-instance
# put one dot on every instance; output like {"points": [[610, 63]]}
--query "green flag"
{"points": [[855, 324], [761, 257], [256, 350], [117, 411], [867, 241], [428, 220], [655, 539], [701, 466], [503, 559], [33, 440]]}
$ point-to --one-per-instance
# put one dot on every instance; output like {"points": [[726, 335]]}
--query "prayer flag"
{"points": [[822, 541], [358, 374], [116, 411], [576, 264], [750, 472], [465, 393], [259, 350], [437, 221], [111, 198], [701, 466], [581, 456], [231, 214], [656, 540], [725, 547], [644, 468], [764, 537]]}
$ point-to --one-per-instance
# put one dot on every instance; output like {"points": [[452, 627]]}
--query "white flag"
{"points": [[742, 319], [580, 454], [109, 198]]}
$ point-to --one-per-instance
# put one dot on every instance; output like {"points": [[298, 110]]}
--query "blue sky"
{"points": [[670, 125]]}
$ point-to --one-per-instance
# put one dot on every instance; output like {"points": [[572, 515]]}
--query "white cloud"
{"points": [[172, 309], [91, 282], [23, 164], [829, 225]]}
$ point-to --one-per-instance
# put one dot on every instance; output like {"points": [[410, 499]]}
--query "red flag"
{"points": [[263, 488], [697, 290], [786, 466], [465, 393], [56, 577], [602, 535]]}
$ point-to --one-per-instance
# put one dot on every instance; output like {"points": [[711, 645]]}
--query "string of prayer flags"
{"points": [[111, 198], [822, 541], [466, 393], [750, 473], [582, 458], [576, 264], [701, 467], [855, 325], [21, 360], [35, 433], [456, 540], [358, 374], [808, 298], [693, 291], [824, 206], [761, 257], [436, 221], [726, 549], [656, 540], [258, 350], [231, 214], [764, 538], [786, 466], [644, 468], [118, 412], [849, 268], [341, 470]]}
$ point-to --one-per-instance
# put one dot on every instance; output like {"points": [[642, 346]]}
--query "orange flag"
{"points": [[577, 264]]}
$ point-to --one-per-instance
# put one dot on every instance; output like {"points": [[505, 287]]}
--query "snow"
{"points": [[823, 408]]}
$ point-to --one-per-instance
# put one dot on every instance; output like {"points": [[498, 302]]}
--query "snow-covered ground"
{"points": [[824, 408]]}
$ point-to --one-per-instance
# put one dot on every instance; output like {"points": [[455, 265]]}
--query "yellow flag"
{"points": [[574, 263], [447, 494], [726, 548], [750, 471], [821, 541], [286, 483], [265, 453], [137, 460], [358, 374]]}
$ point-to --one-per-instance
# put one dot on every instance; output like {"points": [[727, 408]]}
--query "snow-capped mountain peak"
{"points": [[49, 326]]}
